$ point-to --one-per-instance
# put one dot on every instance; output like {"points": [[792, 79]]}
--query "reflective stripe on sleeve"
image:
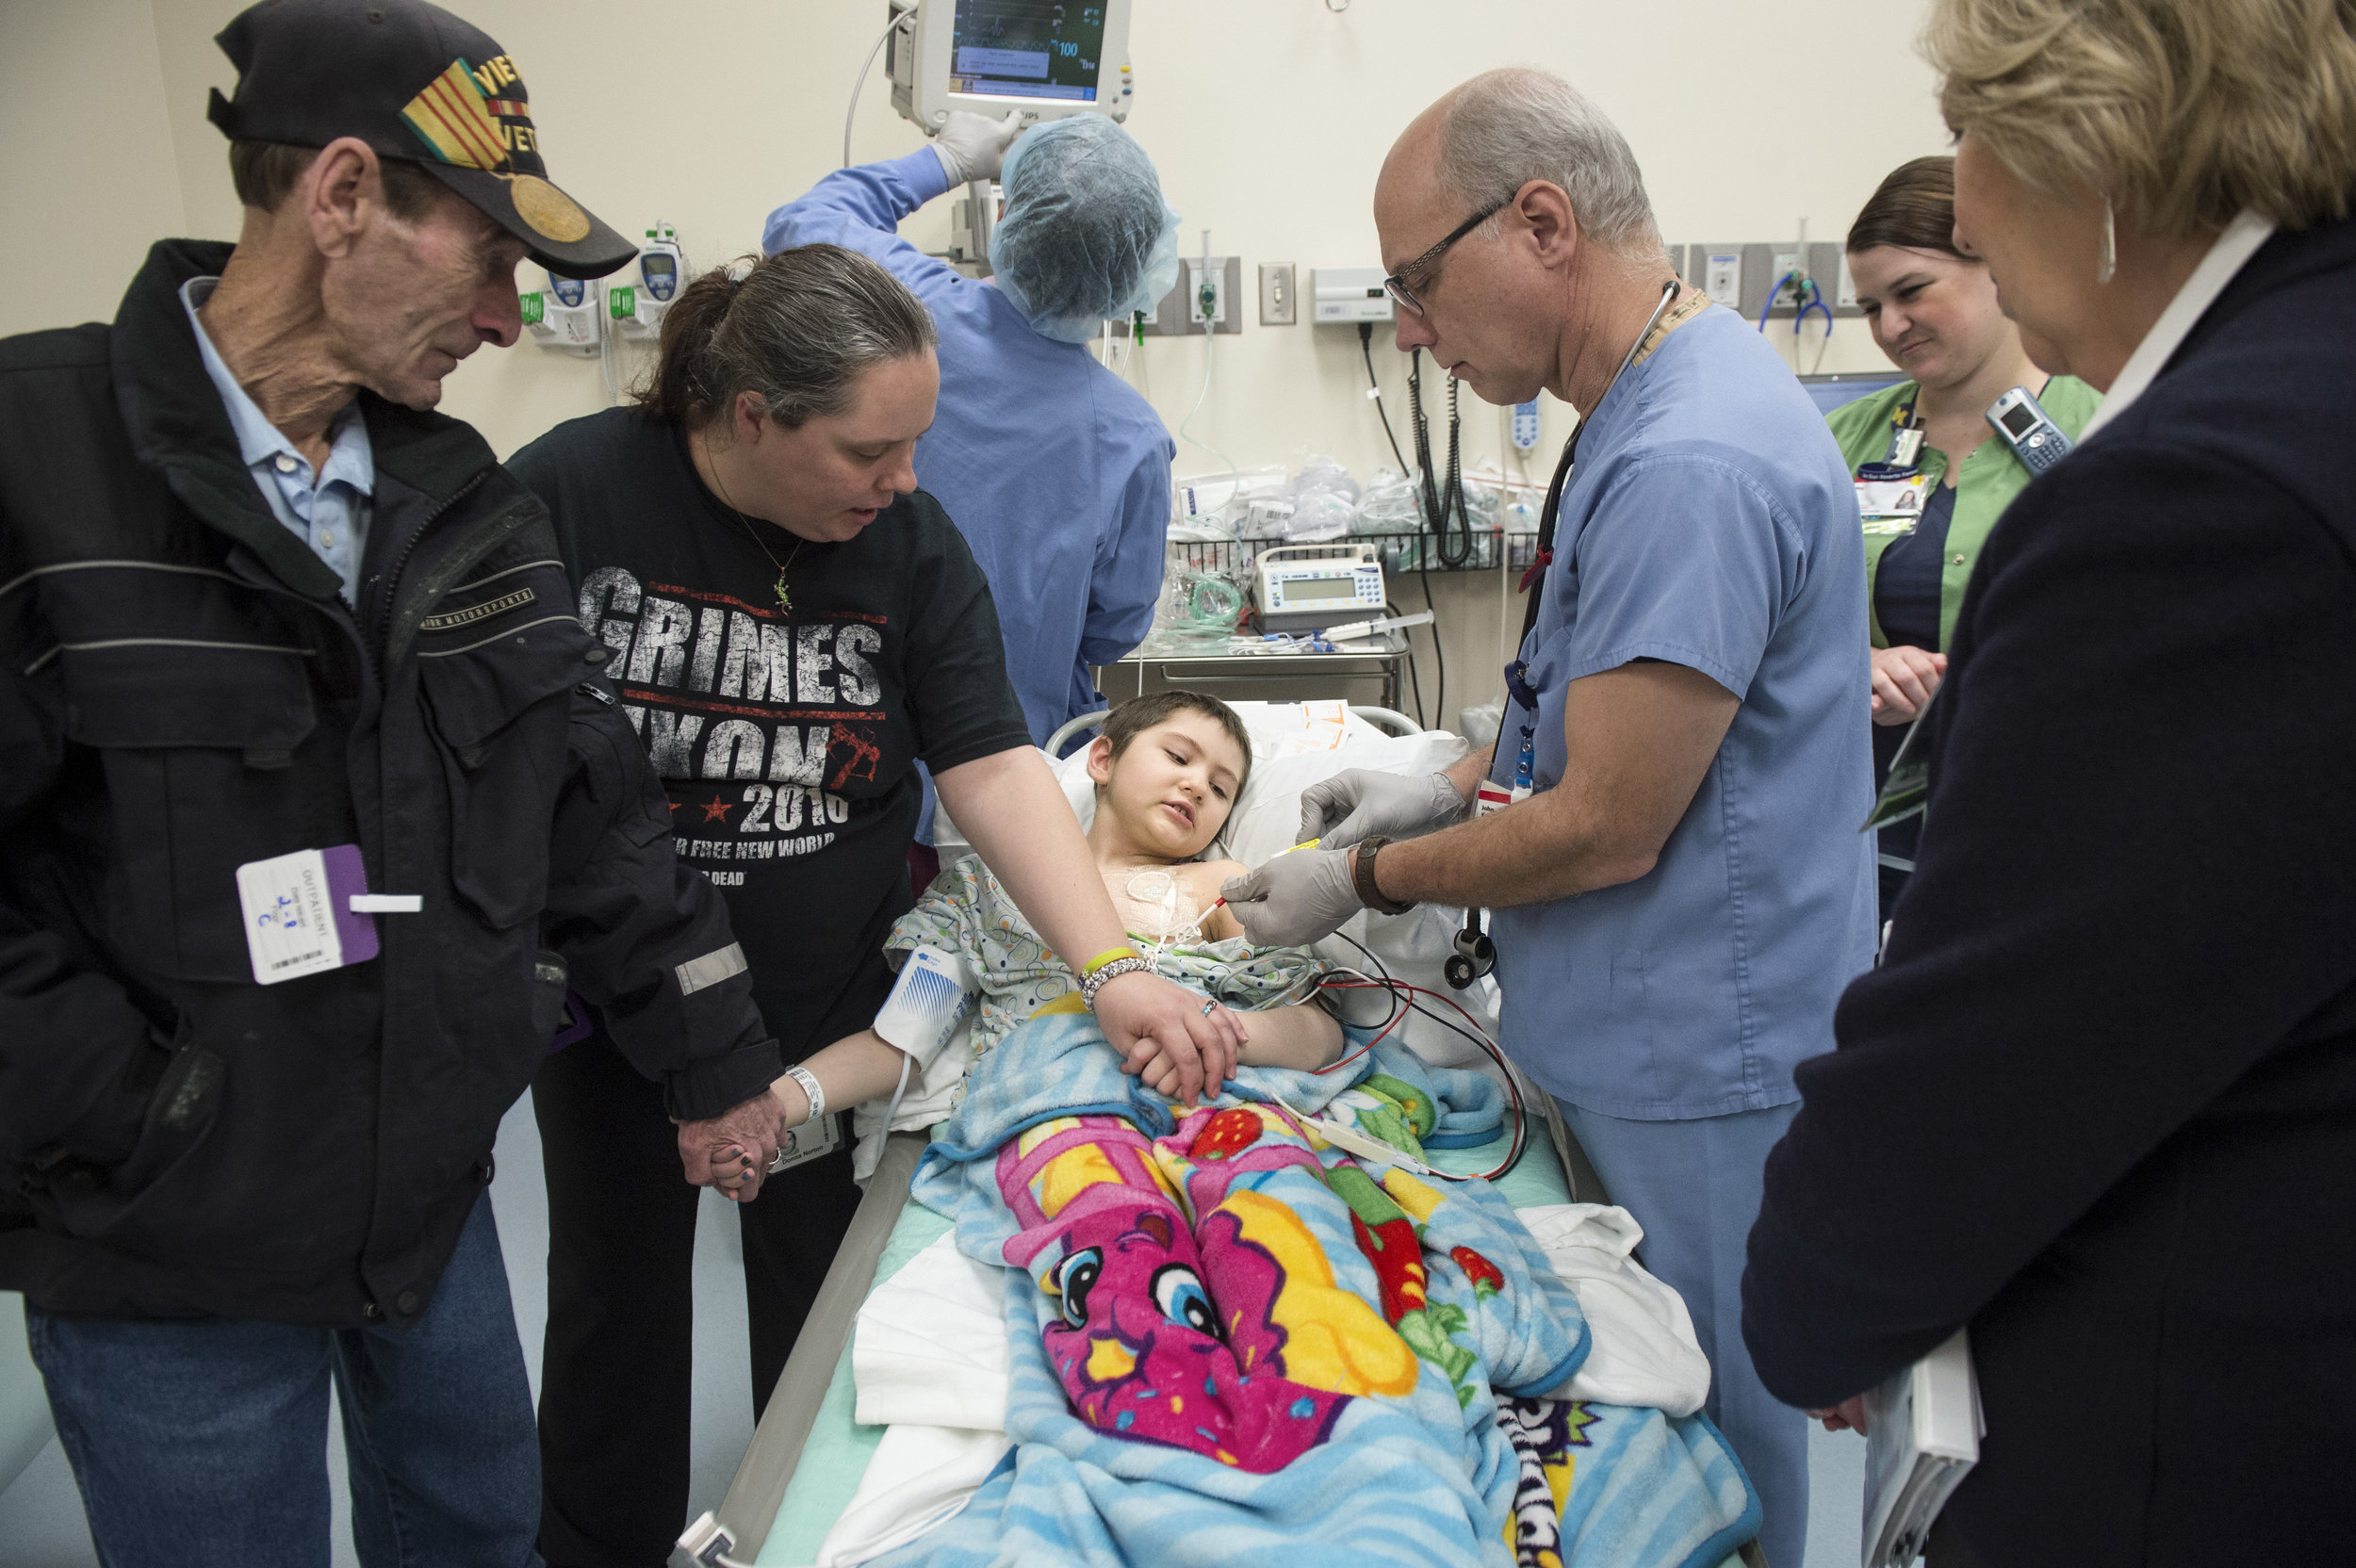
{"points": [[712, 967]]}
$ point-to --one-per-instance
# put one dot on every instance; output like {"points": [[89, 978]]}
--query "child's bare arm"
{"points": [[1305, 1036], [854, 1069]]}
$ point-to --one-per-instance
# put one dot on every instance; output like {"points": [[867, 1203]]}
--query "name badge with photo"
{"points": [[1895, 504]]}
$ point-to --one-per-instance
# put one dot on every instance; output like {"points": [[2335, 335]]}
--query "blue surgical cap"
{"points": [[1086, 237]]}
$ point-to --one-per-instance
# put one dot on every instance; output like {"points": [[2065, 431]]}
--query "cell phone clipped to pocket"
{"points": [[2028, 430]]}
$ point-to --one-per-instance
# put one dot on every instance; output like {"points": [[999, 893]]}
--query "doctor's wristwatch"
{"points": [[1361, 878]]}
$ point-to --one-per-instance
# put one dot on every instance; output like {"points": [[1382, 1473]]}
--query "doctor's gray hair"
{"points": [[1506, 128], [795, 331]]}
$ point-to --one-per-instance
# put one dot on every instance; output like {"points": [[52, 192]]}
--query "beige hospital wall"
{"points": [[1268, 119], [87, 175]]}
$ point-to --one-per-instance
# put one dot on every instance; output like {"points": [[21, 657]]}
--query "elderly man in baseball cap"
{"points": [[318, 816]]}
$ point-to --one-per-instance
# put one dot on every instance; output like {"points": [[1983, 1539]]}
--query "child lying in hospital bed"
{"points": [[1168, 768], [1259, 1340]]}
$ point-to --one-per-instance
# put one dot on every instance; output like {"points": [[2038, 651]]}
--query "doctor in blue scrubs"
{"points": [[1678, 889], [1054, 470]]}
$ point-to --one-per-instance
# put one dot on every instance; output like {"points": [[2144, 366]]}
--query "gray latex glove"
{"points": [[974, 146], [1362, 803], [1296, 898]]}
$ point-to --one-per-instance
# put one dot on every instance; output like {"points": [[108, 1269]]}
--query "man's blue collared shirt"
{"points": [[1709, 523], [327, 510]]}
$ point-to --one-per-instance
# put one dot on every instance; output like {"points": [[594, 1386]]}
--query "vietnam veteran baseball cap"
{"points": [[415, 83]]}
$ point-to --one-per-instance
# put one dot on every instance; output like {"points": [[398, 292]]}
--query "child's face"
{"points": [[1173, 786]]}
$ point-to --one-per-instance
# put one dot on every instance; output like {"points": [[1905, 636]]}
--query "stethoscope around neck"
{"points": [[1476, 955]]}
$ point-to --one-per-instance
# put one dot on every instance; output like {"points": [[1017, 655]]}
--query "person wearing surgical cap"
{"points": [[1055, 471]]}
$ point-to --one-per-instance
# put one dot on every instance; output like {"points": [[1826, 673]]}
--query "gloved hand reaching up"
{"points": [[974, 146], [1361, 803], [1297, 897]]}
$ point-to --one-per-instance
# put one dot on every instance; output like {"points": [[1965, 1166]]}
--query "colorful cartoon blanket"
{"points": [[1229, 1340]]}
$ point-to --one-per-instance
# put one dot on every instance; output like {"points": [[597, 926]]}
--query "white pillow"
{"points": [[1266, 822]]}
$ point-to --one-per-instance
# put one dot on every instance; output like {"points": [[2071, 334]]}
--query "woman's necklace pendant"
{"points": [[785, 596]]}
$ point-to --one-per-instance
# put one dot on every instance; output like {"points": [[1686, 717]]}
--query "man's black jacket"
{"points": [[2099, 1102], [182, 692]]}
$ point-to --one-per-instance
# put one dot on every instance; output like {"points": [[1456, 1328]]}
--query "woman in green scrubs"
{"points": [[1933, 311]]}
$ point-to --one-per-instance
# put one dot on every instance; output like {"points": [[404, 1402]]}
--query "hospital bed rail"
{"points": [[758, 1488], [1389, 720]]}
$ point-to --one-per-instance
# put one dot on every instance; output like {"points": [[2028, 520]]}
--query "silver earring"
{"points": [[2110, 245]]}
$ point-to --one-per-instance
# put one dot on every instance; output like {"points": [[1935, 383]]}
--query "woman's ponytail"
{"points": [[686, 361]]}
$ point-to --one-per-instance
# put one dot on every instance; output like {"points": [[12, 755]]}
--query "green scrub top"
{"points": [[1991, 477]]}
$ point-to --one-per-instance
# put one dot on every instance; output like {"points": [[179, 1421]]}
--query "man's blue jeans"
{"points": [[202, 1444]]}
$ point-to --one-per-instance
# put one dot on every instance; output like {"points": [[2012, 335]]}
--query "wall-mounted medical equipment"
{"points": [[1210, 288], [2028, 431], [972, 219], [1522, 426], [988, 57], [1442, 486], [639, 306], [1349, 295], [1302, 587], [562, 315]]}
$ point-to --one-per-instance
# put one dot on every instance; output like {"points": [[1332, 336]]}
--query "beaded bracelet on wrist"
{"points": [[1094, 983]]}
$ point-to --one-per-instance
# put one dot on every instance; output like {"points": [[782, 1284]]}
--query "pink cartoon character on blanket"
{"points": [[1229, 1339]]}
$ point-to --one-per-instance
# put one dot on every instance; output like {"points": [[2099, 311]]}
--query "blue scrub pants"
{"points": [[1694, 1186], [203, 1443]]}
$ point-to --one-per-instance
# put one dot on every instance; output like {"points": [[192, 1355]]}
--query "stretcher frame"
{"points": [[758, 1488]]}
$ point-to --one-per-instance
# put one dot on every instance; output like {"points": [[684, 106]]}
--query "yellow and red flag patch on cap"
{"points": [[453, 118]]}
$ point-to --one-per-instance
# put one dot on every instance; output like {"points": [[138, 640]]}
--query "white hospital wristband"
{"points": [[812, 1088]]}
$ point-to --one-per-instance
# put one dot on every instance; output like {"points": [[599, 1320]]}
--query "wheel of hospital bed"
{"points": [[759, 1487], [1389, 720]]}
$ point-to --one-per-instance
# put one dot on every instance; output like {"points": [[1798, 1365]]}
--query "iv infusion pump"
{"points": [[1047, 57], [1309, 587]]}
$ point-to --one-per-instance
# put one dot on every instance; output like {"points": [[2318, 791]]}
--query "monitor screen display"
{"points": [[1027, 49], [2019, 419], [1318, 590], [657, 265]]}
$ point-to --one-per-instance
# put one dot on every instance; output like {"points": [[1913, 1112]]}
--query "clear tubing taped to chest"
{"points": [[926, 1004]]}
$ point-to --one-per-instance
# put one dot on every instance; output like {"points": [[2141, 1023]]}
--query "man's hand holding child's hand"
{"points": [[1166, 1038]]}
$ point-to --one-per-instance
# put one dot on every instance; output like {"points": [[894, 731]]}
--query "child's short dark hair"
{"points": [[1138, 714]]}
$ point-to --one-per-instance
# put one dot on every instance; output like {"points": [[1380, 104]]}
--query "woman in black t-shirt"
{"points": [[792, 627]]}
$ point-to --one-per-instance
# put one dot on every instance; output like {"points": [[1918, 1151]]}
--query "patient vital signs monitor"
{"points": [[1047, 57]]}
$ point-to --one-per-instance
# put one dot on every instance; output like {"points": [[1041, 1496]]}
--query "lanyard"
{"points": [[1517, 673], [1562, 468]]}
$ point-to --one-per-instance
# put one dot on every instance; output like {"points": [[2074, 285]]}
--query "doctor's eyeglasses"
{"points": [[1395, 285]]}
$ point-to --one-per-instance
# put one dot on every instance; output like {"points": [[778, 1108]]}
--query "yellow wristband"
{"points": [[1123, 951]]}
